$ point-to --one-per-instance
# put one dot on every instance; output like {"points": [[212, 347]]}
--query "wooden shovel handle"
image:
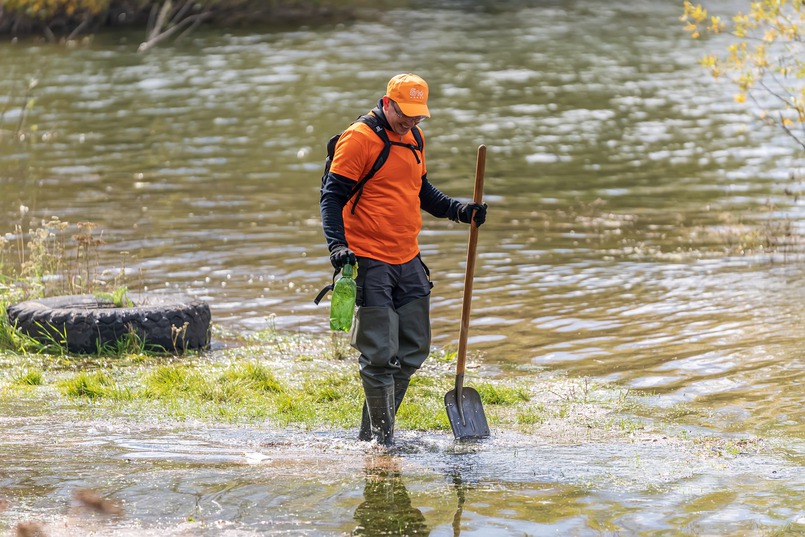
{"points": [[477, 197]]}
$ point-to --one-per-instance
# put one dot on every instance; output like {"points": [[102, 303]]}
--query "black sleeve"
{"points": [[434, 201], [334, 195]]}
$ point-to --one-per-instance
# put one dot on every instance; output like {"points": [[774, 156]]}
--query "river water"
{"points": [[637, 234]]}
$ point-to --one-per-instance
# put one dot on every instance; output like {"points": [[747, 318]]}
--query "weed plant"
{"points": [[26, 103], [55, 258]]}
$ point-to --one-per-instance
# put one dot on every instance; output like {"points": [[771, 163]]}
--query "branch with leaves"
{"points": [[765, 58]]}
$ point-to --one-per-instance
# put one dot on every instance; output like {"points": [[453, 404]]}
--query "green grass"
{"points": [[423, 414], [88, 385], [168, 381], [244, 391], [13, 340], [256, 376], [118, 297], [533, 415], [32, 377], [495, 394]]}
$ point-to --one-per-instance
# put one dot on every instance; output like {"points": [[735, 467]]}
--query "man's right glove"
{"points": [[341, 255]]}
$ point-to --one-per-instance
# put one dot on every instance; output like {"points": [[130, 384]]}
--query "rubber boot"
{"points": [[375, 335], [365, 433], [400, 387], [380, 407]]}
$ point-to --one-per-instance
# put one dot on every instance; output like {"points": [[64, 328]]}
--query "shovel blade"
{"points": [[474, 424]]}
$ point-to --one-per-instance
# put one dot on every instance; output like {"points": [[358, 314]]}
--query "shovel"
{"points": [[463, 404]]}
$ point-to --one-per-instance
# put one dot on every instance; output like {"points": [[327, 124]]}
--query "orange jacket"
{"points": [[387, 220]]}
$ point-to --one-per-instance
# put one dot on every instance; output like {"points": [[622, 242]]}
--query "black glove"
{"points": [[341, 255], [465, 213]]}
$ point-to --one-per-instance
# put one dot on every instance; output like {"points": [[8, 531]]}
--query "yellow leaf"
{"points": [[699, 14], [716, 25], [708, 61], [740, 97]]}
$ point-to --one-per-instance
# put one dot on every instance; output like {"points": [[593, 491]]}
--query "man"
{"points": [[378, 227]]}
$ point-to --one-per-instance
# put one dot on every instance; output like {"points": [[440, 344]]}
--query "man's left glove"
{"points": [[465, 213]]}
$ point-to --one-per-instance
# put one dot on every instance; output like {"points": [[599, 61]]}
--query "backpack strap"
{"points": [[419, 146], [373, 123], [414, 148]]}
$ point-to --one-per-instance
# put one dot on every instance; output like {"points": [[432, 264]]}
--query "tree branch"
{"points": [[158, 37], [160, 22]]}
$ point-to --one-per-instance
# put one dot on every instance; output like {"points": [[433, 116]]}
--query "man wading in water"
{"points": [[378, 227]]}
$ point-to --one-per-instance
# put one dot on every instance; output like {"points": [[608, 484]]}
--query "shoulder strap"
{"points": [[418, 138], [414, 148], [374, 123]]}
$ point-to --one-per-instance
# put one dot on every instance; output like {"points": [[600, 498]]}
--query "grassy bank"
{"points": [[303, 381]]}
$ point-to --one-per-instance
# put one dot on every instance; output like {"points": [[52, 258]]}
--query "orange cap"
{"points": [[410, 92]]}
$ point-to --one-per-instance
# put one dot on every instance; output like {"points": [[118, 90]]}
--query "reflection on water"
{"points": [[621, 182], [461, 495], [387, 509]]}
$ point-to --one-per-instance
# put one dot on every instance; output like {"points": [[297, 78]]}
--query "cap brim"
{"points": [[413, 109]]}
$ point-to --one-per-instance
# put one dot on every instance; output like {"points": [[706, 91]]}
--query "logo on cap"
{"points": [[410, 92]]}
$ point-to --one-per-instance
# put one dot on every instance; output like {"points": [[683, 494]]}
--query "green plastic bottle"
{"points": [[342, 305]]}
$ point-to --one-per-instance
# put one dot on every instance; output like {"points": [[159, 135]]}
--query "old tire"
{"points": [[86, 323]]}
